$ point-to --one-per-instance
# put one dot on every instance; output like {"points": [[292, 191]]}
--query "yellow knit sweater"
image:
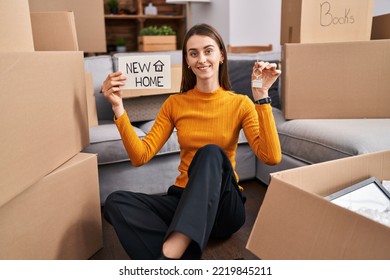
{"points": [[205, 118]]}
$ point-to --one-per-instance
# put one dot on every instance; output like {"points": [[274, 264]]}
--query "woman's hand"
{"points": [[113, 93], [268, 72]]}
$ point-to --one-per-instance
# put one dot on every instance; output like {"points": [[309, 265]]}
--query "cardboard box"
{"points": [[319, 21], [91, 100], [44, 117], [336, 80], [381, 27], [176, 73], [295, 221], [89, 18], [54, 31], [156, 43], [15, 26], [58, 217]]}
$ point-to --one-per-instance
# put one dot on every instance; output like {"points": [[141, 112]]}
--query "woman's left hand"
{"points": [[269, 73]]}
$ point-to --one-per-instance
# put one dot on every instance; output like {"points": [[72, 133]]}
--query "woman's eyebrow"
{"points": [[205, 47]]}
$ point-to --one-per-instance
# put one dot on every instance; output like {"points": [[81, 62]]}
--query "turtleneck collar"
{"points": [[208, 95]]}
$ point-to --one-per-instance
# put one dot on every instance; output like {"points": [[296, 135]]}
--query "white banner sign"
{"points": [[146, 72]]}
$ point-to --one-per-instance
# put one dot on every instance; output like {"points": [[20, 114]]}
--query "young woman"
{"points": [[205, 200]]}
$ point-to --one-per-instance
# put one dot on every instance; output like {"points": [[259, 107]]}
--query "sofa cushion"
{"points": [[100, 66], [240, 71], [171, 146], [144, 108], [107, 131], [318, 140], [106, 142]]}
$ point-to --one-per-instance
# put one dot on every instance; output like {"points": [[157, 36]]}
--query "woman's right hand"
{"points": [[111, 89]]}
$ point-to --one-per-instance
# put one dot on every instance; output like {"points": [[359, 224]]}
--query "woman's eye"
{"points": [[193, 54]]}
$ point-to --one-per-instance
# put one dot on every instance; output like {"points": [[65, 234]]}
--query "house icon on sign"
{"points": [[158, 66]]}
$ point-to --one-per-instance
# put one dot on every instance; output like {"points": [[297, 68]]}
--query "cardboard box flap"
{"points": [[381, 27], [91, 100], [316, 178], [54, 31], [44, 113]]}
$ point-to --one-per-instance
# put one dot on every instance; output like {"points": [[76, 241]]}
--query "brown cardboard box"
{"points": [[175, 85], [15, 26], [44, 117], [54, 31], [381, 27], [318, 21], [336, 80], [91, 101], [56, 218], [156, 43], [295, 221], [89, 18]]}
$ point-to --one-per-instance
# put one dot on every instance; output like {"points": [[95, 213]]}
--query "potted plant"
{"points": [[113, 5], [121, 45], [153, 38]]}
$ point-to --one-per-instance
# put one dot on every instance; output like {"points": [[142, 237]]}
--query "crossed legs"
{"points": [[180, 223]]}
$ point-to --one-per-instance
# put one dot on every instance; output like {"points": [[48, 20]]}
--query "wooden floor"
{"points": [[232, 248]]}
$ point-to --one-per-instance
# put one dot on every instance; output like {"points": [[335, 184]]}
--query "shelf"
{"points": [[144, 17], [128, 26]]}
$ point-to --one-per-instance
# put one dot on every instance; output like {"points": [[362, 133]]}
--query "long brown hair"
{"points": [[188, 80]]}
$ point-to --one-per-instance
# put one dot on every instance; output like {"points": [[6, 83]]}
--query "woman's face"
{"points": [[204, 57]]}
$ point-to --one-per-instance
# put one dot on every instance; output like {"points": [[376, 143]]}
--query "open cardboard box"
{"points": [[295, 221], [336, 80], [319, 21], [91, 100]]}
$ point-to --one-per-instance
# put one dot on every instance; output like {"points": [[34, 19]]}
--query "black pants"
{"points": [[211, 205]]}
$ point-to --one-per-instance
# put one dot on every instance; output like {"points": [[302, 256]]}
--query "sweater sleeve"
{"points": [[141, 151], [261, 133]]}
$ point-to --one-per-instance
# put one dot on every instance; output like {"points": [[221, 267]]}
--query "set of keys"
{"points": [[258, 81]]}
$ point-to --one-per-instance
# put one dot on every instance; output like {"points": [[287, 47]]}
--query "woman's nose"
{"points": [[202, 58]]}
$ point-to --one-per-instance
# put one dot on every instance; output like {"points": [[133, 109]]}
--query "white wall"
{"points": [[255, 22], [215, 13], [381, 7], [251, 22]]}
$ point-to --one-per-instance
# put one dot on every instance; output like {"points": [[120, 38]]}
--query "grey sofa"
{"points": [[303, 141]]}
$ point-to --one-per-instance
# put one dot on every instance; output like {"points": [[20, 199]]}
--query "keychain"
{"points": [[258, 81]]}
